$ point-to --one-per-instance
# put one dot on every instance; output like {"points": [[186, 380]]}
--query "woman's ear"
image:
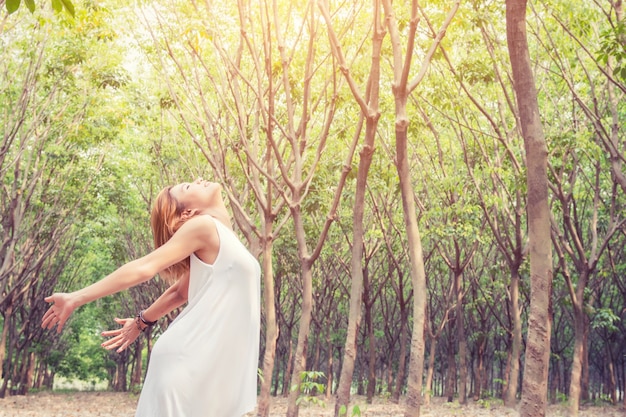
{"points": [[188, 213]]}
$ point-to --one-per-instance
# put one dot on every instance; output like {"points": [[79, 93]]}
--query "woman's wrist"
{"points": [[144, 320], [142, 323], [139, 324], [76, 299]]}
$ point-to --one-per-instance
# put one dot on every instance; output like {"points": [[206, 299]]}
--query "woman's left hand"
{"points": [[123, 337]]}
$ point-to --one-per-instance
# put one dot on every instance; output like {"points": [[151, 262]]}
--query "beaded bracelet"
{"points": [[144, 321], [138, 324], [139, 319]]}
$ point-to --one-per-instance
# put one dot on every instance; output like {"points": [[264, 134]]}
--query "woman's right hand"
{"points": [[122, 337], [63, 305]]}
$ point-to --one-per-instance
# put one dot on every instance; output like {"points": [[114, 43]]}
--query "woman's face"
{"points": [[198, 194]]}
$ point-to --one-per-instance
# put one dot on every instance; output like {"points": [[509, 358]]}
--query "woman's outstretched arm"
{"points": [[192, 236], [174, 297]]}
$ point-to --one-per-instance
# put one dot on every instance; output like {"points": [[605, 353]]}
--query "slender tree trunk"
{"points": [[537, 358], [460, 333], [137, 370], [402, 360], [428, 388], [3, 338], [401, 90], [506, 375], [584, 381], [556, 381], [8, 362], [287, 374], [369, 109], [418, 273], [451, 370], [371, 365], [356, 289], [271, 326], [510, 398], [299, 362], [329, 367], [30, 374], [610, 378], [577, 362], [623, 390], [480, 367]]}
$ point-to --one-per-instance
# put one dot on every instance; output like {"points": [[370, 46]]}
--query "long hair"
{"points": [[166, 219]]}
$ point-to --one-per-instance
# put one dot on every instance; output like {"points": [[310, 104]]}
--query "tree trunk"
{"points": [[369, 110], [610, 378], [271, 332], [402, 360], [577, 361], [534, 390], [428, 388], [584, 381], [401, 91], [480, 367], [460, 334], [329, 367], [288, 370], [510, 398], [371, 365], [3, 338], [299, 362], [8, 362], [451, 370], [418, 273], [30, 374], [356, 268], [506, 374], [135, 380]]}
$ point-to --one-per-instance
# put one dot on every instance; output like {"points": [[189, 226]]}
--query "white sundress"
{"points": [[205, 363]]}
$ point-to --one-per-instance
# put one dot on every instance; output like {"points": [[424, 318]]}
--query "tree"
{"points": [[534, 389], [46, 169], [369, 111], [402, 88]]}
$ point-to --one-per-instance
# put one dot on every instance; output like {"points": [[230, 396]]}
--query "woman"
{"points": [[205, 364]]}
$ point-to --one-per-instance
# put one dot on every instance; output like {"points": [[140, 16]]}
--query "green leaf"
{"points": [[30, 4], [12, 5], [69, 6], [57, 6]]}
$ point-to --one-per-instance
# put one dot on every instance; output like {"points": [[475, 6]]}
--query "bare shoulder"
{"points": [[203, 230], [200, 226]]}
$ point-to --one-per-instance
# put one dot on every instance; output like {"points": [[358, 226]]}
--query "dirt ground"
{"points": [[110, 404]]}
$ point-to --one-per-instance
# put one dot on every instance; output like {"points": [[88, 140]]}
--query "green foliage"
{"points": [[84, 358], [310, 386], [487, 401], [57, 5], [561, 397], [604, 318], [356, 410], [613, 46]]}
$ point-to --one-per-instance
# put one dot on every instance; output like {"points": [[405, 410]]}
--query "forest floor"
{"points": [[110, 404]]}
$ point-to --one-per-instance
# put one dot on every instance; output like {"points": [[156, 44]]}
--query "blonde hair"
{"points": [[165, 219]]}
